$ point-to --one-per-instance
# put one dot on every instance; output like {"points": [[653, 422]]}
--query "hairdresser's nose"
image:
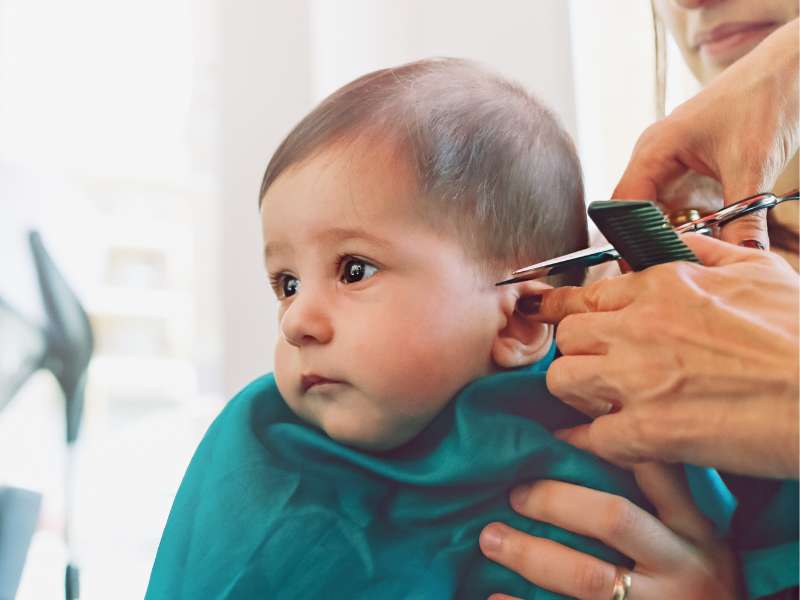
{"points": [[306, 321]]}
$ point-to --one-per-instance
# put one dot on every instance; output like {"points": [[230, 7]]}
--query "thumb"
{"points": [[750, 228]]}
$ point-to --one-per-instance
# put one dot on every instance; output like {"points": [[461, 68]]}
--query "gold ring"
{"points": [[622, 584]]}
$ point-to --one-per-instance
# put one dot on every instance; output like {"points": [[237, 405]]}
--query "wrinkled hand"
{"points": [[677, 556], [695, 364], [742, 130]]}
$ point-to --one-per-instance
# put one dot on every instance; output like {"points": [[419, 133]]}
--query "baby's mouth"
{"points": [[314, 381]]}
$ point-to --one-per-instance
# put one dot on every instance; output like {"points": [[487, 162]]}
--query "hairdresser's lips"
{"points": [[317, 383], [730, 41]]}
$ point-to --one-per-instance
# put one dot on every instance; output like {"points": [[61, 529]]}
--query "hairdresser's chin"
{"points": [[714, 35]]}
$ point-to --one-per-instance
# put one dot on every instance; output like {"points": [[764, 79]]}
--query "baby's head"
{"points": [[388, 214]]}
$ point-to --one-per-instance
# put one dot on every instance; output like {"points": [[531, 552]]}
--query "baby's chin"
{"points": [[352, 420], [365, 436]]}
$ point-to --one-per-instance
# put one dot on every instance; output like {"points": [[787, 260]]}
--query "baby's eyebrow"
{"points": [[331, 235], [272, 248], [341, 234]]}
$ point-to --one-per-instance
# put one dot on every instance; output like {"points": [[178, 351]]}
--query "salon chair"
{"points": [[62, 346]]}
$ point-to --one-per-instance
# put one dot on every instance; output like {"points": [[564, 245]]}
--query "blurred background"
{"points": [[133, 137]]}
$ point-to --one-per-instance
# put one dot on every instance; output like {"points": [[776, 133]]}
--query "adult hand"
{"points": [[742, 130], [683, 362], [677, 556]]}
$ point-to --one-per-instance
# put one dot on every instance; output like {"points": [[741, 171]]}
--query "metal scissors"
{"points": [[600, 254]]}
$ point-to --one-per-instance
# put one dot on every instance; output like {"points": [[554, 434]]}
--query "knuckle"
{"points": [[593, 579], [592, 296], [640, 430], [621, 517]]}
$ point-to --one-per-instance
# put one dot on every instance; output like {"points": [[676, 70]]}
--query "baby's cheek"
{"points": [[424, 373], [283, 368]]}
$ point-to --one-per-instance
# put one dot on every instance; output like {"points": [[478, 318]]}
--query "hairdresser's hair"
{"points": [[660, 48], [489, 159]]}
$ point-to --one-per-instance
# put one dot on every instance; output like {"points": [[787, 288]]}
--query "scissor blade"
{"points": [[583, 258]]}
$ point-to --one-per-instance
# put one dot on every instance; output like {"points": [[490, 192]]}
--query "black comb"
{"points": [[640, 232]]}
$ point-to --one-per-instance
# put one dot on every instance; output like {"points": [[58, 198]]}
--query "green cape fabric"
{"points": [[270, 507]]}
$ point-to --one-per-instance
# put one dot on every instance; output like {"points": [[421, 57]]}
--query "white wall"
{"points": [[527, 41], [614, 73], [265, 88]]}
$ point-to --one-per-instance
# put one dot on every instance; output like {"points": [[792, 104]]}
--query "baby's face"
{"points": [[383, 318]]}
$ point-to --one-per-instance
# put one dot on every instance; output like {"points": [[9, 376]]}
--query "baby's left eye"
{"points": [[356, 269]]}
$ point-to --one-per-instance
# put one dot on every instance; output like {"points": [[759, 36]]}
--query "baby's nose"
{"points": [[306, 321]]}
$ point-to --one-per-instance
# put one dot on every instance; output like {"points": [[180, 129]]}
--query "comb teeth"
{"points": [[640, 232]]}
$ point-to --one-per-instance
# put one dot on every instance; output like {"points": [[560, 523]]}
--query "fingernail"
{"points": [[529, 305], [752, 244], [518, 496], [491, 539]]}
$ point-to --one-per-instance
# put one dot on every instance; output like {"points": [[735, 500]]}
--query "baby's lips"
{"points": [[312, 379]]}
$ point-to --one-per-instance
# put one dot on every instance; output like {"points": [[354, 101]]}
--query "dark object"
{"points": [[63, 347], [640, 233], [20, 510], [69, 335]]}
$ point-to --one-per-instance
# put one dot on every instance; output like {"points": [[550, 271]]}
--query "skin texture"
{"points": [[676, 554], [422, 322], [721, 389], [746, 115]]}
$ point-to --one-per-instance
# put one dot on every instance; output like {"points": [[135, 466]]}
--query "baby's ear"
{"points": [[521, 341]]}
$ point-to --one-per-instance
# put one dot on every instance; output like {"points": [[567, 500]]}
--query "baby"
{"points": [[408, 395], [388, 214]]}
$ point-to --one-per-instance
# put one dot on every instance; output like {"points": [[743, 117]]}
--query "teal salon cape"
{"points": [[272, 508]]}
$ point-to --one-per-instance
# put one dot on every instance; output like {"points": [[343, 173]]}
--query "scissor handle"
{"points": [[737, 210]]}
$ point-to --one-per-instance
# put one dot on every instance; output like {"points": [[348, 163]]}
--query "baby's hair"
{"points": [[489, 158]]}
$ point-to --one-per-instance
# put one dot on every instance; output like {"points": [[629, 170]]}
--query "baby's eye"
{"points": [[356, 269], [285, 286], [290, 286]]}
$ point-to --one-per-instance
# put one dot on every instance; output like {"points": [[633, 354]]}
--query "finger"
{"points": [[716, 253], [583, 383], [605, 295], [583, 334], [628, 437], [666, 488], [503, 597], [752, 227], [635, 185], [647, 172], [581, 437], [663, 485], [614, 520], [550, 565]]}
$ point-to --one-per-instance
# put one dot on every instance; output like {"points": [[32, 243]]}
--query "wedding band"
{"points": [[622, 584]]}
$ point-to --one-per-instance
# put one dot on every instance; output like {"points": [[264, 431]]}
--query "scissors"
{"points": [[589, 257]]}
